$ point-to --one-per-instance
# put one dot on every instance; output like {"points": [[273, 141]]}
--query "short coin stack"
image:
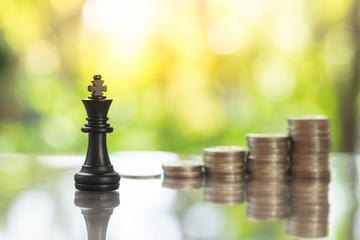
{"points": [[310, 146], [267, 200], [224, 162], [224, 192], [309, 208], [183, 169], [268, 155]]}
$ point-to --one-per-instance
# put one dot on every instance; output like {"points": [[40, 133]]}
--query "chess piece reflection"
{"points": [[97, 207], [309, 209], [267, 200], [224, 192], [97, 173]]}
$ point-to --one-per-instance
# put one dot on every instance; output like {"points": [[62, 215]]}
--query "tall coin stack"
{"points": [[309, 208], [224, 162], [267, 200], [310, 146], [268, 155]]}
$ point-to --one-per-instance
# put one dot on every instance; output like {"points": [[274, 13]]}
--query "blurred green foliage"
{"points": [[183, 74]]}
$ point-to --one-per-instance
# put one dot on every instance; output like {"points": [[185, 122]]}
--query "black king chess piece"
{"points": [[97, 208], [97, 173]]}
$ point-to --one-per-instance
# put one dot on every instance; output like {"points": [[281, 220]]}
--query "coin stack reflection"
{"points": [[309, 208], [310, 146], [267, 200], [225, 162], [224, 192], [185, 184], [268, 155]]}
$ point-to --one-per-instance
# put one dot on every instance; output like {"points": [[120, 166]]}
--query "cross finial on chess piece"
{"points": [[97, 88]]}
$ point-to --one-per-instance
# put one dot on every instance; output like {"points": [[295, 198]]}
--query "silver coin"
{"points": [[282, 145], [225, 184], [266, 214], [310, 157], [182, 183], [224, 167], [272, 158], [222, 201], [269, 152], [185, 165], [224, 171], [224, 159], [141, 176], [224, 149], [267, 137], [230, 177], [183, 174], [256, 176], [310, 175], [309, 119]]}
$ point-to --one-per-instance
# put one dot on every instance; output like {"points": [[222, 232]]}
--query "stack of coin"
{"points": [[225, 162], [309, 208], [268, 155], [185, 184], [310, 146], [267, 200], [183, 169], [224, 192]]}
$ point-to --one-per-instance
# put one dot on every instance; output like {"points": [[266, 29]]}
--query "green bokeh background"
{"points": [[183, 74]]}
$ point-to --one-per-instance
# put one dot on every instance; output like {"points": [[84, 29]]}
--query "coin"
{"points": [[225, 162], [281, 145], [261, 213], [310, 146], [226, 168], [310, 157], [306, 120], [267, 200], [141, 176], [228, 201], [185, 184], [224, 150], [221, 176], [224, 159], [183, 174], [268, 158], [309, 208], [268, 155], [187, 165], [224, 192], [183, 169], [270, 138]]}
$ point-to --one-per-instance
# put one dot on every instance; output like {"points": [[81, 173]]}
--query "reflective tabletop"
{"points": [[38, 200]]}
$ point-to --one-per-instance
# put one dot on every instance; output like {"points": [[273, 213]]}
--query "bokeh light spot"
{"points": [[277, 83], [338, 46], [203, 222], [56, 131], [42, 58], [31, 215], [291, 34], [224, 37]]}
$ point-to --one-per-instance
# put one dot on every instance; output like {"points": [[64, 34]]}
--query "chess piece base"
{"points": [[97, 188], [89, 179]]}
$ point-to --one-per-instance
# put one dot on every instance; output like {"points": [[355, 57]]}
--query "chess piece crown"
{"points": [[97, 87]]}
